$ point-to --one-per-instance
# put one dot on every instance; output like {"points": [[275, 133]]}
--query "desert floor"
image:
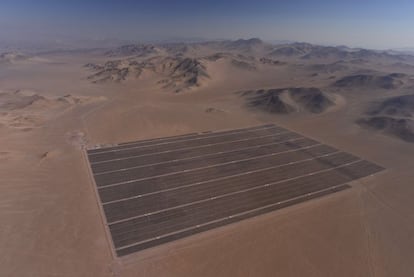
{"points": [[51, 223]]}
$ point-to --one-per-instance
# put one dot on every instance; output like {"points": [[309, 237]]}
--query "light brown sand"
{"points": [[51, 223]]}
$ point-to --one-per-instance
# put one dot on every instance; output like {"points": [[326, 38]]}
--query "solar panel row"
{"points": [[159, 190]]}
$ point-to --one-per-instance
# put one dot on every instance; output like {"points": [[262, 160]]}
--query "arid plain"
{"points": [[55, 104]]}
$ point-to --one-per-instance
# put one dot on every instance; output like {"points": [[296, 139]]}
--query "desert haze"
{"points": [[56, 104]]}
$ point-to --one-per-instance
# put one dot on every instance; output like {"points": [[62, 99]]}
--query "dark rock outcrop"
{"points": [[391, 81], [312, 100], [398, 127], [393, 116]]}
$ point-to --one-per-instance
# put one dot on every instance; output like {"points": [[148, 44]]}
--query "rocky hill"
{"points": [[288, 100], [390, 81], [401, 128], [177, 73], [393, 116]]}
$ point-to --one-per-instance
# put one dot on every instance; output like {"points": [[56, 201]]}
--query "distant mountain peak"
{"points": [[250, 41]]}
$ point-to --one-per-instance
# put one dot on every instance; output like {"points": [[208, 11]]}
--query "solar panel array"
{"points": [[156, 191]]}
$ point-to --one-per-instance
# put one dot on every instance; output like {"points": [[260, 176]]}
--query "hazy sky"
{"points": [[365, 23]]}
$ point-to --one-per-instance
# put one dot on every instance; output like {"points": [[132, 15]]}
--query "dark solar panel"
{"points": [[159, 190]]}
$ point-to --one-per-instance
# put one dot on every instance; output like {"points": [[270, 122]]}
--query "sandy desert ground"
{"points": [[54, 104]]}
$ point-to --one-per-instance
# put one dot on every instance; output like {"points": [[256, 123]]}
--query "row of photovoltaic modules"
{"points": [[156, 191]]}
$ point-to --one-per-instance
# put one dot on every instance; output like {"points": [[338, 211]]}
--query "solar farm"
{"points": [[159, 190]]}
